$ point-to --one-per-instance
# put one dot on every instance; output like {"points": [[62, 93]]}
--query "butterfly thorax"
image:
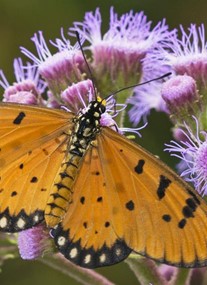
{"points": [[86, 127]]}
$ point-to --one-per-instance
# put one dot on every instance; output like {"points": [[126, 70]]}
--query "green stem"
{"points": [[145, 270], [8, 252], [82, 275], [182, 277], [121, 117]]}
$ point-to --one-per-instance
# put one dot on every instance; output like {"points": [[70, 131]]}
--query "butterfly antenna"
{"points": [[139, 84], [88, 67]]}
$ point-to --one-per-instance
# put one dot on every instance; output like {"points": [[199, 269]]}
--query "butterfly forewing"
{"points": [[33, 143], [163, 216], [24, 128]]}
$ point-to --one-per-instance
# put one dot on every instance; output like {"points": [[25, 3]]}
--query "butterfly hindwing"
{"points": [[32, 148], [86, 235], [126, 199]]}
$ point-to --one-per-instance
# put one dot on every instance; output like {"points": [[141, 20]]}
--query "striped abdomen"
{"points": [[61, 194]]}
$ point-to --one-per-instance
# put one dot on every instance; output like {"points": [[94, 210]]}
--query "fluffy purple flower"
{"points": [[193, 153], [181, 97], [78, 95], [60, 69], [118, 54], [188, 55], [34, 242], [131, 32], [179, 90], [28, 86], [146, 98], [184, 56]]}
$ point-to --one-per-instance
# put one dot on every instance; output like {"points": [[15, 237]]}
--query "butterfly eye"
{"points": [[102, 109]]}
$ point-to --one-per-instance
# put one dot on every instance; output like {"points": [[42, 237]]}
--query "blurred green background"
{"points": [[18, 22]]}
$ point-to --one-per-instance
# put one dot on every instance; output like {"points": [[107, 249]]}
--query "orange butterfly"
{"points": [[102, 195]]}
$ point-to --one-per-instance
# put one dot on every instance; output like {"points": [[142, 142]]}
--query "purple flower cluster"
{"points": [[34, 242]]}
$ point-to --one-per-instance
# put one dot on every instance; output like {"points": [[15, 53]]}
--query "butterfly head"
{"points": [[88, 122], [97, 107]]}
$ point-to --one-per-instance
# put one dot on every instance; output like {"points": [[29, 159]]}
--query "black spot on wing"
{"points": [[21, 166], [182, 223], [130, 205], [19, 118], [163, 185], [166, 218], [34, 179], [89, 257], [82, 200], [45, 151], [194, 195], [43, 189], [14, 193], [139, 167], [85, 224], [107, 224], [187, 212], [99, 199], [191, 203]]}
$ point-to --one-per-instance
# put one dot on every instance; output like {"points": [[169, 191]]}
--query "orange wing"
{"points": [[86, 236], [126, 199], [33, 142]]}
